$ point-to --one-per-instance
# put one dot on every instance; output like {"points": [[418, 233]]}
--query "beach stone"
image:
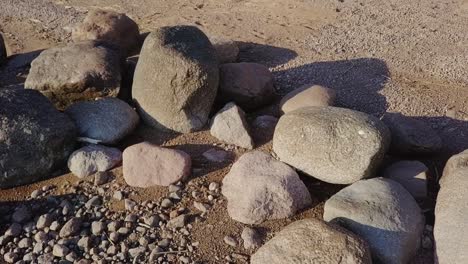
{"points": [[411, 136], [451, 220], [64, 79], [381, 212], [178, 222], [109, 26], [251, 238], [10, 257], [93, 158], [410, 174], [35, 138], [313, 241], [60, 250], [260, 188], [13, 231], [335, 145], [227, 50], [71, 227], [307, 95], [216, 155], [230, 126], [146, 165], [265, 121], [44, 221], [3, 53], [249, 85], [230, 240], [107, 120], [176, 79]]}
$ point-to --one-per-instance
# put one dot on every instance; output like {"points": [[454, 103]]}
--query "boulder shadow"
{"points": [[14, 72], [267, 55]]}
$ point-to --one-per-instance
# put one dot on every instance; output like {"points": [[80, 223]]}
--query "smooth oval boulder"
{"points": [[110, 26], [411, 136], [381, 212], [332, 144], [451, 218], [260, 188], [411, 174], [307, 95], [93, 158], [107, 120], [35, 138], [146, 165], [176, 79], [3, 53], [313, 241], [249, 85], [230, 126], [76, 72]]}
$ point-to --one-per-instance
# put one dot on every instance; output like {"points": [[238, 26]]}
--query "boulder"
{"points": [[307, 95], [230, 126], [107, 120], [381, 212], [260, 188], [227, 50], [146, 165], [93, 158], [410, 174], [216, 155], [75, 72], [451, 219], [35, 138], [110, 26], [265, 121], [313, 241], [411, 136], [249, 85], [335, 145], [3, 53], [176, 79]]}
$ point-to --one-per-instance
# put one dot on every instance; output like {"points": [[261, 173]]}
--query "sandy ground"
{"points": [[380, 56]]}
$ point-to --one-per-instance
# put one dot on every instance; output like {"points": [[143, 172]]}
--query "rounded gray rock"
{"points": [[381, 212], [76, 72], [260, 188], [93, 158], [313, 241], [335, 145], [35, 138], [176, 79], [411, 174], [106, 120]]}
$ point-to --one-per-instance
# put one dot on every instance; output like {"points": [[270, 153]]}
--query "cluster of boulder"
{"points": [[179, 76]]}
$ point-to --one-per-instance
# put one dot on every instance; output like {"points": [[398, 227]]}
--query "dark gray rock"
{"points": [[76, 72], [71, 227], [106, 120], [332, 144], [35, 138], [176, 79], [381, 212]]}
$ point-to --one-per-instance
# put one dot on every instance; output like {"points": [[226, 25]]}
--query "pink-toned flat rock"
{"points": [[306, 96], [146, 165]]}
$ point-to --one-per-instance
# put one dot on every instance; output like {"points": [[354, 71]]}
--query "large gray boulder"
{"points": [[113, 27], [76, 72], [411, 136], [230, 126], [313, 241], [381, 212], [176, 79], [3, 53], [335, 145], [35, 138], [260, 188], [451, 218], [107, 120]]}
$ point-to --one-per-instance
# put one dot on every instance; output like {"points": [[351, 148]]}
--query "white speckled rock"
{"points": [[93, 158]]}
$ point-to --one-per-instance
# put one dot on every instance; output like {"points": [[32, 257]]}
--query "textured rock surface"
{"points": [[35, 138], [260, 188], [410, 174], [335, 145], [93, 158], [3, 54], [176, 79], [411, 136], [307, 95], [451, 219], [381, 212], [64, 79], [226, 50], [146, 165], [110, 26], [107, 120], [313, 241], [249, 85], [230, 126]]}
